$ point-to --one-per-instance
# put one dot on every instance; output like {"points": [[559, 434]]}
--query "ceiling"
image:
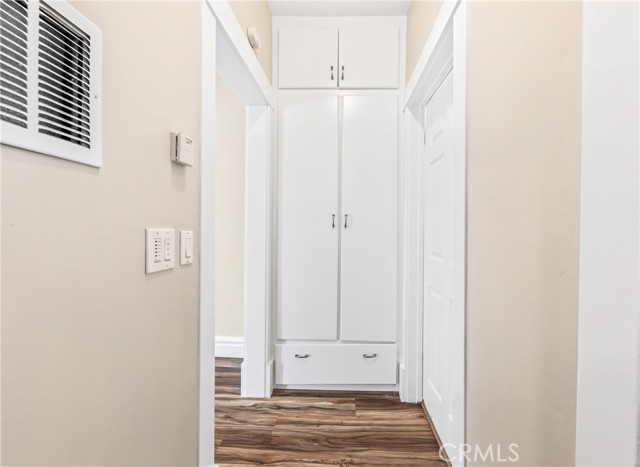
{"points": [[339, 7]]}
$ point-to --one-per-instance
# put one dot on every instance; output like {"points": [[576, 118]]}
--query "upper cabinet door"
{"points": [[369, 58], [308, 58]]}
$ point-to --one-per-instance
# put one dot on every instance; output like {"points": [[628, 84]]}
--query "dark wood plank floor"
{"points": [[303, 428]]}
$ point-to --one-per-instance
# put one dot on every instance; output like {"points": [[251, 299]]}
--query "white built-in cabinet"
{"points": [[338, 108], [337, 239], [345, 58]]}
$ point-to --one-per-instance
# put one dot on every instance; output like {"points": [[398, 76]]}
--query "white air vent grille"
{"points": [[63, 79], [13, 62], [50, 80]]}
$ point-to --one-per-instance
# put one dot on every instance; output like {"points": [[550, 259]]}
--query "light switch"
{"points": [[160, 244], [157, 250], [168, 249], [186, 247]]}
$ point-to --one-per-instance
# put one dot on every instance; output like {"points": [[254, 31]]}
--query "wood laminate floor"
{"points": [[304, 428]]}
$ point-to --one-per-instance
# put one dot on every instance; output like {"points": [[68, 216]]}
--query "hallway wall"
{"points": [[230, 186], [256, 13], [421, 17], [524, 117], [99, 360]]}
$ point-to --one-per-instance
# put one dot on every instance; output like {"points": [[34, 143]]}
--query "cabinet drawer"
{"points": [[336, 363]]}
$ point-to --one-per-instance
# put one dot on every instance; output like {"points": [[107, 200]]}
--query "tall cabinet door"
{"points": [[369, 219], [308, 217]]}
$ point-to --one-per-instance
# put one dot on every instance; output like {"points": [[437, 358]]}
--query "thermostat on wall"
{"points": [[182, 151]]}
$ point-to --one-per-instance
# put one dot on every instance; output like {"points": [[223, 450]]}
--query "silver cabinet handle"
{"points": [[333, 221], [342, 78], [346, 218], [331, 72], [302, 356], [373, 355]]}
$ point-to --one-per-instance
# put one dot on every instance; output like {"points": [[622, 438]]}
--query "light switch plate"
{"points": [[186, 247], [161, 249]]}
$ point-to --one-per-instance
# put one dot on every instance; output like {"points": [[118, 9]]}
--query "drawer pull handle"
{"points": [[302, 356], [373, 355]]}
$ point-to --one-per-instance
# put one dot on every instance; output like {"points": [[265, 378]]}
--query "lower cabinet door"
{"points": [[322, 364]]}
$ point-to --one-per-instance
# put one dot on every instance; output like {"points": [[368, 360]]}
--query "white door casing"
{"points": [[608, 390], [368, 304], [308, 217], [225, 50], [438, 258], [445, 52]]}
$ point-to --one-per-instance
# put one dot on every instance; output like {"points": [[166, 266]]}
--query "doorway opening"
{"points": [[232, 74], [433, 370], [225, 52]]}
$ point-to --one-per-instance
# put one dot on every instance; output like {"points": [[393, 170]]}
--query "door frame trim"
{"points": [[225, 50], [446, 48]]}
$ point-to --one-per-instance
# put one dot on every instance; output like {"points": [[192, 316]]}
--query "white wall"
{"points": [[607, 400], [420, 19], [229, 199], [256, 14]]}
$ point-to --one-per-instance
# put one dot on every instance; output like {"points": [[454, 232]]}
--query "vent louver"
{"points": [[63, 79], [50, 80], [13, 62]]}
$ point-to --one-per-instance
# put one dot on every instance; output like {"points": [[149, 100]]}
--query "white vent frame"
{"points": [[30, 138]]}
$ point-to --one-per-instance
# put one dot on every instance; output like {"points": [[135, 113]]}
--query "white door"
{"points": [[308, 58], [308, 217], [369, 219], [438, 260], [369, 58]]}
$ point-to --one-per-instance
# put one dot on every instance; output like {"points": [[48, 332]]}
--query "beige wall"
{"points": [[421, 16], [524, 82], [99, 360], [256, 13], [230, 146]]}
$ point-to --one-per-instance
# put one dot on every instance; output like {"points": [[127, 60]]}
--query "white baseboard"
{"points": [[243, 379], [270, 378], [230, 347]]}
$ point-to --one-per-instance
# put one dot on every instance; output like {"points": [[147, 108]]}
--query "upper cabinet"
{"points": [[308, 58], [346, 58], [369, 58]]}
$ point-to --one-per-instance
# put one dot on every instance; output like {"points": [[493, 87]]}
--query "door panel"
{"points": [[308, 237], [370, 57], [369, 202], [438, 260], [306, 57]]}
